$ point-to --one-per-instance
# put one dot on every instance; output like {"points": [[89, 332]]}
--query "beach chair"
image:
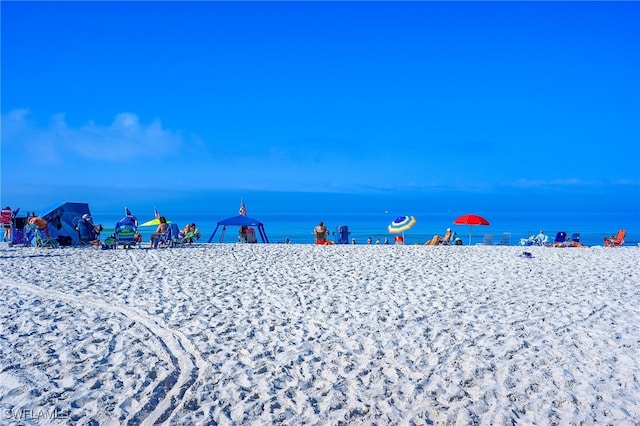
{"points": [[182, 240], [19, 234], [342, 234], [251, 236], [560, 240], [487, 240], [616, 240], [163, 240], [173, 239], [126, 233], [87, 235], [505, 240], [194, 234], [42, 240], [168, 238], [575, 240]]}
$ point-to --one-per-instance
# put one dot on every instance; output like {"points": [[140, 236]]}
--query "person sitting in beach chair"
{"points": [[575, 240], [436, 240], [433, 241], [541, 239], [251, 236], [615, 240], [189, 233], [560, 240], [126, 232], [88, 232], [161, 235], [194, 233]]}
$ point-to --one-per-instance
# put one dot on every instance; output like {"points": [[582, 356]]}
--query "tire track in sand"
{"points": [[167, 396]]}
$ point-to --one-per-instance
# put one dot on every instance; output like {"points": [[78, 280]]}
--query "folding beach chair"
{"points": [[42, 240], [487, 240], [88, 233], [21, 235], [251, 236], [617, 240], [560, 240], [167, 238], [126, 233], [505, 240]]}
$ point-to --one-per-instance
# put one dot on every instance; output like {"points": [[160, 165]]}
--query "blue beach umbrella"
{"points": [[401, 224]]}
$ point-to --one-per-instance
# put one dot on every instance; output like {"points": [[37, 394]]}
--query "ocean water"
{"points": [[293, 216], [298, 227]]}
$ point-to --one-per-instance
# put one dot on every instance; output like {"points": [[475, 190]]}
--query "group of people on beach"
{"points": [[321, 234], [163, 230], [89, 232], [541, 239], [36, 222]]}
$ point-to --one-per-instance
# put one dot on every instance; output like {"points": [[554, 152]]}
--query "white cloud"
{"points": [[124, 140], [539, 183]]}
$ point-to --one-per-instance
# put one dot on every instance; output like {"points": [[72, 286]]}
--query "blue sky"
{"points": [[161, 102]]}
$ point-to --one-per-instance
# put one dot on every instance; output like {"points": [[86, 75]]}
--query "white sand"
{"points": [[303, 334]]}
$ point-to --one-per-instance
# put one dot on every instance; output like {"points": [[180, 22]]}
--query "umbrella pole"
{"points": [[469, 234]]}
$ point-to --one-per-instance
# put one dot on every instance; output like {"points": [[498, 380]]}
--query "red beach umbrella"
{"points": [[471, 220]]}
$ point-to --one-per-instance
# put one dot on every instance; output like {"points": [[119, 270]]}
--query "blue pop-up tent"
{"points": [[240, 221], [63, 219]]}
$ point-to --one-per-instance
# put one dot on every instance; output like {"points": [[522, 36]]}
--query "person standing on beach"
{"points": [[320, 232], [6, 216]]}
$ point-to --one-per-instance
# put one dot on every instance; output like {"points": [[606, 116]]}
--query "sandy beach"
{"points": [[257, 334]]}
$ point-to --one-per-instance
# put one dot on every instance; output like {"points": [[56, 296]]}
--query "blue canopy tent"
{"points": [[64, 218], [240, 221]]}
